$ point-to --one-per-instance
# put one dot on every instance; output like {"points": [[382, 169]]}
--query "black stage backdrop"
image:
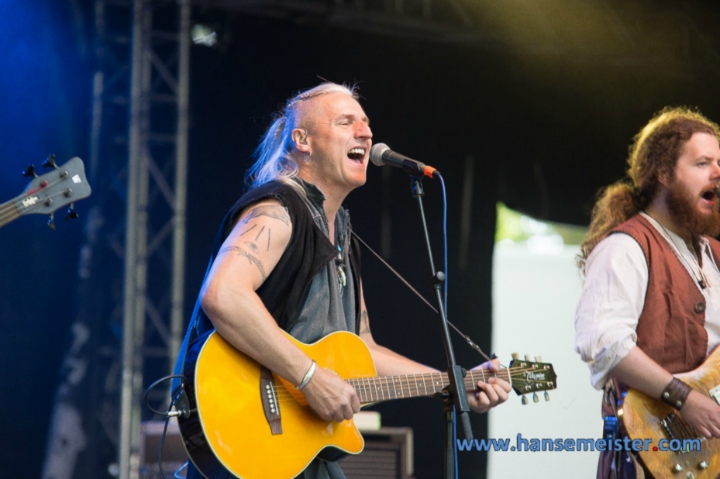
{"points": [[545, 132]]}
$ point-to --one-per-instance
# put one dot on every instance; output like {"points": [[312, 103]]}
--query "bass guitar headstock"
{"points": [[531, 377], [62, 186]]}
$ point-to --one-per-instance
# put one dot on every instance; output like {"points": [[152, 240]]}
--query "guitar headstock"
{"points": [[531, 377], [59, 187]]}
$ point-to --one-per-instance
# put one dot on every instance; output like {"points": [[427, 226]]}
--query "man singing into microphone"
{"points": [[650, 305], [285, 259]]}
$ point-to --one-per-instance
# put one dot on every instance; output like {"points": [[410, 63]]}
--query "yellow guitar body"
{"points": [[643, 418], [245, 420], [230, 408]]}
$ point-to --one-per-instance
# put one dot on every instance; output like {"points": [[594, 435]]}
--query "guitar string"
{"points": [[39, 203], [381, 393], [36, 205], [516, 373], [375, 383], [411, 390], [409, 383]]}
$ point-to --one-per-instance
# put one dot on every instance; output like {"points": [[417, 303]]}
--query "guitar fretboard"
{"points": [[374, 389]]}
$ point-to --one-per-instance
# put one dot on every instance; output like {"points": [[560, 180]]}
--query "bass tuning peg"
{"points": [[51, 221], [30, 171], [71, 215], [50, 162]]}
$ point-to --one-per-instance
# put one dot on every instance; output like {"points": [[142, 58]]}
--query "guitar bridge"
{"points": [[676, 428], [271, 407]]}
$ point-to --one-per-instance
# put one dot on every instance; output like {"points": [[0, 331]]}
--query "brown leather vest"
{"points": [[671, 328]]}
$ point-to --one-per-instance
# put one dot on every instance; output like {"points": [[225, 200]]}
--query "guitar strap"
{"points": [[191, 333], [467, 339], [616, 464]]}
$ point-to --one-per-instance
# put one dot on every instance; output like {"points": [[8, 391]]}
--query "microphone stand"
{"points": [[454, 394]]}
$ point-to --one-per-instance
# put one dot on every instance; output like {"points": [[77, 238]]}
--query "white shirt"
{"points": [[613, 297]]}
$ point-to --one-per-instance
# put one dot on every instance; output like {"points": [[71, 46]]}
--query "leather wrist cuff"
{"points": [[675, 393]]}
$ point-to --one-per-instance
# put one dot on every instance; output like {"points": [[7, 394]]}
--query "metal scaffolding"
{"points": [[156, 203], [154, 102]]}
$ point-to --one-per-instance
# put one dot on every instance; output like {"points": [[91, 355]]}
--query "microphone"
{"points": [[381, 154]]}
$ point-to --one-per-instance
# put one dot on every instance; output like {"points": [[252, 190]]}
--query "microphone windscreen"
{"points": [[376, 153]]}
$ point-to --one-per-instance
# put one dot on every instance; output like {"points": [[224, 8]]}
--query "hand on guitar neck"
{"points": [[490, 394]]}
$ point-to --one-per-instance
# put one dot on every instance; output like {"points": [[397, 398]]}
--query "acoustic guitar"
{"points": [[253, 424], [648, 418]]}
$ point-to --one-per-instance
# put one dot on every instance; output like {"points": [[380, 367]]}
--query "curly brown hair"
{"points": [[653, 154]]}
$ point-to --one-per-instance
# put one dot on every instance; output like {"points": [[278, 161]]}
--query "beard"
{"points": [[682, 206]]}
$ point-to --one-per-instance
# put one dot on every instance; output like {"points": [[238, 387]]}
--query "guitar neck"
{"points": [[8, 213], [375, 389]]}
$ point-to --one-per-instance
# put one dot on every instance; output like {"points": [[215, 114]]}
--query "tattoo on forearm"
{"points": [[250, 257], [273, 211], [364, 322]]}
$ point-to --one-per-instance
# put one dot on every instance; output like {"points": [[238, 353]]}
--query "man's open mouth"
{"points": [[357, 154], [709, 195]]}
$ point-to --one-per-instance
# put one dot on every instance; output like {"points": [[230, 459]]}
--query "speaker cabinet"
{"points": [[388, 453], [173, 453]]}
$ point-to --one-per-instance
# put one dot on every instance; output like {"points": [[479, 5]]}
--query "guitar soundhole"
{"points": [[676, 428]]}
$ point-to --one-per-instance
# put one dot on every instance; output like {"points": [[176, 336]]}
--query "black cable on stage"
{"points": [[169, 413]]}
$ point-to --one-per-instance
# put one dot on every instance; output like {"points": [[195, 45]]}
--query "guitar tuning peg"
{"points": [[30, 171], [50, 162], [51, 221], [515, 355], [527, 357], [536, 398], [71, 215], [538, 358], [524, 400], [547, 396]]}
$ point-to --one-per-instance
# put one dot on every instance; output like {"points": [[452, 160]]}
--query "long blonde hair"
{"points": [[654, 152]]}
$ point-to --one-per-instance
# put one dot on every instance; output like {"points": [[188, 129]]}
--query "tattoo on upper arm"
{"points": [[273, 211], [364, 322], [247, 230], [252, 246], [247, 254], [249, 249]]}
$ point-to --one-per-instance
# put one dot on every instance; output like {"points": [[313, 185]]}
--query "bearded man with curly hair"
{"points": [[650, 305]]}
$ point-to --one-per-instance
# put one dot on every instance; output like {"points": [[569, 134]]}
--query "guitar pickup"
{"points": [[715, 394]]}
